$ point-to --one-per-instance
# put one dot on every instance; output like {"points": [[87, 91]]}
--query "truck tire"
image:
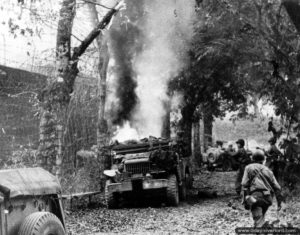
{"points": [[41, 223], [172, 191], [112, 201]]}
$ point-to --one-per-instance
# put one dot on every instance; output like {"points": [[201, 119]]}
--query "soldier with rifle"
{"points": [[259, 186], [273, 156]]}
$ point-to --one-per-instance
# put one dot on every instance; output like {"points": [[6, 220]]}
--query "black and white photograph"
{"points": [[149, 117]]}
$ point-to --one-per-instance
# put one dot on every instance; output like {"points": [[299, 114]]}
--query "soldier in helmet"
{"points": [[243, 160], [273, 155], [259, 185]]}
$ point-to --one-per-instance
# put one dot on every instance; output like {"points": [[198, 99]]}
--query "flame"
{"points": [[126, 132]]}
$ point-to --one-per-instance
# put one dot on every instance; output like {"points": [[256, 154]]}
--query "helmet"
{"points": [[258, 156], [241, 142], [272, 140]]}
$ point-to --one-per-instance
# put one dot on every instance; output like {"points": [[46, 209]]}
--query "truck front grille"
{"points": [[138, 167]]}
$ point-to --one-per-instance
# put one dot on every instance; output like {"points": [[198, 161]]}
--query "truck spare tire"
{"points": [[41, 223]]}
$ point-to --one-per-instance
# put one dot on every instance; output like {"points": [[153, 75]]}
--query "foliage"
{"points": [[281, 41], [212, 77], [81, 121], [240, 49], [82, 178], [26, 22], [23, 157]]}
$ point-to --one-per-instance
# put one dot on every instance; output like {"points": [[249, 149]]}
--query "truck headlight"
{"points": [[110, 173]]}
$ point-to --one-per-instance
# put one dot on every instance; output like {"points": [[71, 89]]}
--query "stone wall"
{"points": [[18, 123]]}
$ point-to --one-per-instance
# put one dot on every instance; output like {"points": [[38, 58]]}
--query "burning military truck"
{"points": [[149, 166]]}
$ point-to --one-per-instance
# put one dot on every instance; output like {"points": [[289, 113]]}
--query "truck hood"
{"points": [[137, 157], [28, 181]]}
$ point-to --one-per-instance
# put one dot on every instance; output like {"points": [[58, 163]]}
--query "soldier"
{"points": [[243, 160], [259, 186], [273, 156]]}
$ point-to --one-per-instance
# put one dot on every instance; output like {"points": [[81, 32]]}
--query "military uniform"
{"points": [[273, 157], [260, 183], [243, 160]]}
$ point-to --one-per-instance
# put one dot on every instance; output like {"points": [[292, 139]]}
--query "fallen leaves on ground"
{"points": [[196, 216]]}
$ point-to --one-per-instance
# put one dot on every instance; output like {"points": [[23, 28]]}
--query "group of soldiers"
{"points": [[256, 179]]}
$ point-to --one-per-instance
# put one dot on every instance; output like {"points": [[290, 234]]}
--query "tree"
{"points": [[241, 48], [211, 81], [57, 94], [280, 60], [292, 7], [102, 126]]}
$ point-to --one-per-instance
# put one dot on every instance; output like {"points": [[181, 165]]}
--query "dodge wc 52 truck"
{"points": [[150, 166], [30, 203]]}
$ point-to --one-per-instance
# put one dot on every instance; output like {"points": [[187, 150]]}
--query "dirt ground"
{"points": [[198, 215]]}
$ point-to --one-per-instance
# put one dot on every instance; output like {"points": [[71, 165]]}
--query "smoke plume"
{"points": [[147, 56], [126, 42], [169, 29]]}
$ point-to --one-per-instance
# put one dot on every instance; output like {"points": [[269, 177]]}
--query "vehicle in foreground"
{"points": [[30, 203], [150, 167]]}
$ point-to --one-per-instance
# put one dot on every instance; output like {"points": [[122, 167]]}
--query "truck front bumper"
{"points": [[145, 184]]}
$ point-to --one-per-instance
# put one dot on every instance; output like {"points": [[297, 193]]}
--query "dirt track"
{"points": [[196, 216]]}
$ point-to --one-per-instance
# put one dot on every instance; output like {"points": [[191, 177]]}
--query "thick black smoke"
{"points": [[126, 40]]}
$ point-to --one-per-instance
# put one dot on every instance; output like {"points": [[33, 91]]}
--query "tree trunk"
{"points": [[186, 124], [56, 96], [255, 100], [166, 129], [208, 126], [102, 131], [187, 137], [102, 127], [196, 147], [201, 130]]}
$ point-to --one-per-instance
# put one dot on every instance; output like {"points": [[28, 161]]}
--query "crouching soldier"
{"points": [[259, 186]]}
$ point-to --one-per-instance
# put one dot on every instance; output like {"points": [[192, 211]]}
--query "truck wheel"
{"points": [[112, 201], [172, 191], [44, 223]]}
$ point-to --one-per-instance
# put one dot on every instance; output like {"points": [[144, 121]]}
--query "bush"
{"points": [[21, 158]]}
